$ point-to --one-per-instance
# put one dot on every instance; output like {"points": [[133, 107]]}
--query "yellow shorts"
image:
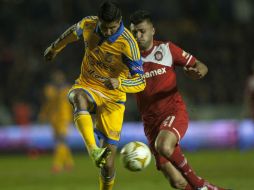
{"points": [[108, 114]]}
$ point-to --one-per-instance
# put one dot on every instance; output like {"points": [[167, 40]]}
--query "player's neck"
{"points": [[148, 47]]}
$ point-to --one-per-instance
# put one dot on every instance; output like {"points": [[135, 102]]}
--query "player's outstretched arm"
{"points": [[197, 71], [67, 37]]}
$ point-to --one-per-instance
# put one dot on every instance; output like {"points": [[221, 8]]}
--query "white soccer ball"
{"points": [[135, 156]]}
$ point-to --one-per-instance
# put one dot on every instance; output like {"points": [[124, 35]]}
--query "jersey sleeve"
{"points": [[132, 59], [131, 54], [181, 57], [80, 26], [72, 34], [66, 38], [133, 85]]}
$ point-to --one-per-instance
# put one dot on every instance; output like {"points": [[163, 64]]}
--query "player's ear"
{"points": [[120, 20], [153, 31]]}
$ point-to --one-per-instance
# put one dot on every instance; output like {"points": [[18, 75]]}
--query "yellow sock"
{"points": [[65, 155], [84, 124], [69, 162], [106, 185], [58, 158]]}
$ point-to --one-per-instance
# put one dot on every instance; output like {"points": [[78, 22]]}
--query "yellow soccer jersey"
{"points": [[56, 108], [115, 57]]}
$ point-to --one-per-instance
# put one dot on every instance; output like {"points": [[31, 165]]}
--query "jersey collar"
{"points": [[147, 52], [113, 37]]}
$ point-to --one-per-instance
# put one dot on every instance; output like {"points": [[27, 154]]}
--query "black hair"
{"points": [[109, 11], [140, 16]]}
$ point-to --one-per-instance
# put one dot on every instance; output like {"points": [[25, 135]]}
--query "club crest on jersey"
{"points": [[96, 51], [158, 55], [108, 57]]}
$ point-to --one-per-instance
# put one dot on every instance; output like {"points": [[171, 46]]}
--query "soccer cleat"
{"points": [[99, 156], [206, 188], [56, 169], [202, 188], [68, 167]]}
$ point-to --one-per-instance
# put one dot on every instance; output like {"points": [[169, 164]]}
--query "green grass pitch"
{"points": [[232, 169]]}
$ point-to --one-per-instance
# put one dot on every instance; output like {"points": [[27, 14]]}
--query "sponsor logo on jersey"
{"points": [[155, 72], [115, 134], [95, 75], [158, 55], [103, 65], [137, 68]]}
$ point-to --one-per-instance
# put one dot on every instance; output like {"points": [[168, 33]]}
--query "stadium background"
{"points": [[219, 32]]}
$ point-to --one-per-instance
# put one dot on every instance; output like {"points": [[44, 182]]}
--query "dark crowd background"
{"points": [[218, 32]]}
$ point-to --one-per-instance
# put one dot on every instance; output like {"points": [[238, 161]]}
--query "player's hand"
{"points": [[49, 53], [111, 83], [193, 73]]}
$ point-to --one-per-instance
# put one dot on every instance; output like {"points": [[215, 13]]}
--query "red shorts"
{"points": [[176, 122]]}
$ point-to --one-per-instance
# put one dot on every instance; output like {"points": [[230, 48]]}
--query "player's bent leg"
{"points": [[84, 124], [165, 143], [174, 177], [107, 176]]}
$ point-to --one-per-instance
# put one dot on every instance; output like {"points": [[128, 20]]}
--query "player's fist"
{"points": [[49, 54], [192, 72], [111, 83]]}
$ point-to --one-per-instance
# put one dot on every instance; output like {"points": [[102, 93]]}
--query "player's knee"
{"points": [[163, 148], [78, 99]]}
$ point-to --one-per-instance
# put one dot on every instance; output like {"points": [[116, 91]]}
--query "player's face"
{"points": [[108, 28], [143, 32]]}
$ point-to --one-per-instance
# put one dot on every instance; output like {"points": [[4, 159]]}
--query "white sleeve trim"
{"points": [[189, 60]]}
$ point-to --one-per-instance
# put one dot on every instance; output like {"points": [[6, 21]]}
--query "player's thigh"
{"points": [[176, 123], [109, 120], [173, 175]]}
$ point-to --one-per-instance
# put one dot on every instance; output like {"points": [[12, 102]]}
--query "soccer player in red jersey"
{"points": [[161, 106]]}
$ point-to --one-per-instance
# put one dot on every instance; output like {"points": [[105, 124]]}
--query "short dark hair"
{"points": [[109, 11], [140, 16]]}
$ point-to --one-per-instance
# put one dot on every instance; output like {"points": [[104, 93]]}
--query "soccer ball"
{"points": [[135, 156]]}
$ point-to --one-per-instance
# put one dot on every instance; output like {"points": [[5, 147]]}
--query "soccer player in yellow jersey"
{"points": [[57, 110], [111, 67]]}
